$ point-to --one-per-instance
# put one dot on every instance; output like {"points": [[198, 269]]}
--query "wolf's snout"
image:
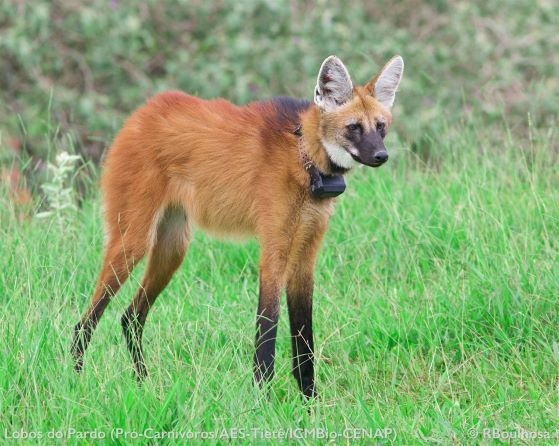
{"points": [[380, 157]]}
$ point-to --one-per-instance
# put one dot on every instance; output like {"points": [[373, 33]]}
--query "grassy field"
{"points": [[436, 313], [436, 316]]}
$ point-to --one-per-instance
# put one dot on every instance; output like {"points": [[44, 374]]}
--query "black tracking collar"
{"points": [[322, 186]]}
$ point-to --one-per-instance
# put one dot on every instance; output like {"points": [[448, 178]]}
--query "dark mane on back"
{"points": [[285, 112], [288, 109]]}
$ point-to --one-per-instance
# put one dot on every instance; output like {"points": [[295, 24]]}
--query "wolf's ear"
{"points": [[333, 86], [384, 85]]}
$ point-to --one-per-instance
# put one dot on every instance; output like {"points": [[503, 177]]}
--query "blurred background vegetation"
{"points": [[72, 70], [437, 283]]}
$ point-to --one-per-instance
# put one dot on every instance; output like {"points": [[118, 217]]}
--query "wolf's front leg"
{"points": [[272, 283]]}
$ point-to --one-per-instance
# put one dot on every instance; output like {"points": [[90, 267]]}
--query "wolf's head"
{"points": [[354, 119]]}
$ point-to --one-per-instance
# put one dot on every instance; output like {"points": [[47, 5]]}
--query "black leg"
{"points": [[133, 328], [82, 336], [302, 345], [83, 331], [266, 329]]}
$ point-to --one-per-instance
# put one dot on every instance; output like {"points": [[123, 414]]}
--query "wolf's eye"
{"points": [[381, 127], [354, 127]]}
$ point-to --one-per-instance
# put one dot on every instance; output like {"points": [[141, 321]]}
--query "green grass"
{"points": [[435, 313]]}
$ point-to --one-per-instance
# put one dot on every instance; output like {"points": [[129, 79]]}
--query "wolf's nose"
{"points": [[381, 157]]}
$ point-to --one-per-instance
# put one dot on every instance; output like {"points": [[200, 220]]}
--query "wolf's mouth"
{"points": [[370, 164]]}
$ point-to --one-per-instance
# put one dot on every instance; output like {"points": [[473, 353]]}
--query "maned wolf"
{"points": [[268, 169]]}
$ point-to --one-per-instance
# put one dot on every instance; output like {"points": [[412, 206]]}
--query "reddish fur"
{"points": [[206, 156], [180, 161], [212, 159]]}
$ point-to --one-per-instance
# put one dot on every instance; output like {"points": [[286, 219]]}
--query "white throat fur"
{"points": [[338, 155]]}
